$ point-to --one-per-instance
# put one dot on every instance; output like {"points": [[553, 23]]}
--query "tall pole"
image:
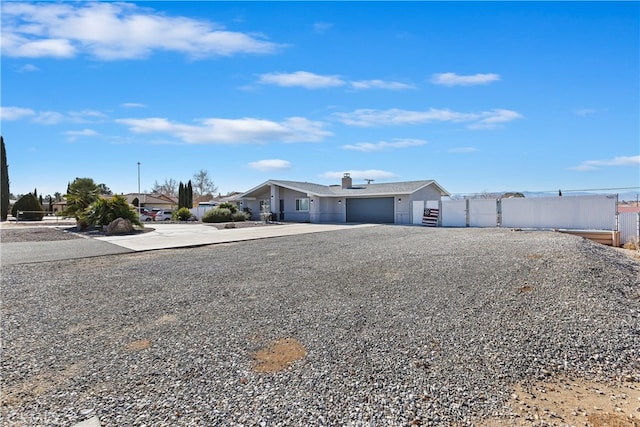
{"points": [[139, 198]]}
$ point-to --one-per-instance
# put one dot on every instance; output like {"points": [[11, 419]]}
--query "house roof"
{"points": [[152, 198], [383, 189]]}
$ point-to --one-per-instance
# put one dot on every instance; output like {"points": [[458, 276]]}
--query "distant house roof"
{"points": [[628, 209], [151, 198], [383, 189]]}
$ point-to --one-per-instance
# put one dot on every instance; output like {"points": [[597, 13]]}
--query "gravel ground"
{"points": [[35, 234], [391, 325]]}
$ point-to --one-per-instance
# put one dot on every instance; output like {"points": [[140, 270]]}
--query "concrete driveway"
{"points": [[165, 236]]}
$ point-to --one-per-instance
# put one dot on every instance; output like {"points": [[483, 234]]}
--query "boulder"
{"points": [[119, 226]]}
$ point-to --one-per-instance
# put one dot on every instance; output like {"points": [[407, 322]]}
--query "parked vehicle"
{"points": [[147, 215], [163, 216]]}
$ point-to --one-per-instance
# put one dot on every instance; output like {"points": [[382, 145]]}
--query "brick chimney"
{"points": [[347, 182]]}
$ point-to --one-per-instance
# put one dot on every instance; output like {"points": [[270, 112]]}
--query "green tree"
{"points": [[189, 194], [29, 206], [4, 177], [104, 211], [104, 190], [82, 192], [181, 196]]}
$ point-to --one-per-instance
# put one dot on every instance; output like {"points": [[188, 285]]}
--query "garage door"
{"points": [[377, 211]]}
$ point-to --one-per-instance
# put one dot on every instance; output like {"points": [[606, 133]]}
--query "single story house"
{"points": [[153, 201], [385, 203]]}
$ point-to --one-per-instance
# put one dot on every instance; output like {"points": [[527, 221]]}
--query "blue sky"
{"points": [[480, 96]]}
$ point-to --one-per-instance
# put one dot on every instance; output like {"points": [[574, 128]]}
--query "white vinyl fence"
{"points": [[597, 212], [589, 212], [629, 227]]}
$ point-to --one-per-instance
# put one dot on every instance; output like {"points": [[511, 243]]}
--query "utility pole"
{"points": [[139, 198]]}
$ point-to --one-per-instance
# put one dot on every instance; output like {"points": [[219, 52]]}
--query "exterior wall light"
{"points": [[339, 202]]}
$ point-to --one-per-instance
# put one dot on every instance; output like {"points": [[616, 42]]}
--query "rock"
{"points": [[91, 422], [119, 226]]}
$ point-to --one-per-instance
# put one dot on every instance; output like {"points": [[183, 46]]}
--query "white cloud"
{"points": [[133, 105], [232, 131], [360, 174], [86, 116], [394, 116], [384, 145], [48, 118], [72, 135], [321, 27], [15, 113], [380, 84], [51, 117], [462, 150], [270, 165], [301, 79], [111, 31], [27, 68], [492, 119], [453, 79], [590, 165], [584, 111], [310, 80]]}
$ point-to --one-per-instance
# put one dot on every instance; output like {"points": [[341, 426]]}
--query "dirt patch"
{"points": [[39, 385], [138, 345], [571, 402], [525, 288], [278, 355]]}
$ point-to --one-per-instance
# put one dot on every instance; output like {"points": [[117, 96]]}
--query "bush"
{"points": [[183, 214], [239, 216], [31, 207], [217, 215], [103, 211], [227, 205]]}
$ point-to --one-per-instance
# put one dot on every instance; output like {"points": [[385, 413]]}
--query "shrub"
{"points": [[103, 211], [227, 205], [632, 245], [239, 216], [183, 214], [217, 215], [31, 207]]}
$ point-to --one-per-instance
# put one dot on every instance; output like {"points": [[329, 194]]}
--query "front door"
{"points": [[281, 210]]}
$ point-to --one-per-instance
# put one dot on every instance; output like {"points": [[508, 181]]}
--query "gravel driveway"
{"points": [[380, 326]]}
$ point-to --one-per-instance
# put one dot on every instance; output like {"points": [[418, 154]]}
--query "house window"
{"points": [[302, 204]]}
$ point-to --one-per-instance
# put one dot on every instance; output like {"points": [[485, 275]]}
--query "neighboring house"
{"points": [[628, 209], [387, 203], [153, 201]]}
